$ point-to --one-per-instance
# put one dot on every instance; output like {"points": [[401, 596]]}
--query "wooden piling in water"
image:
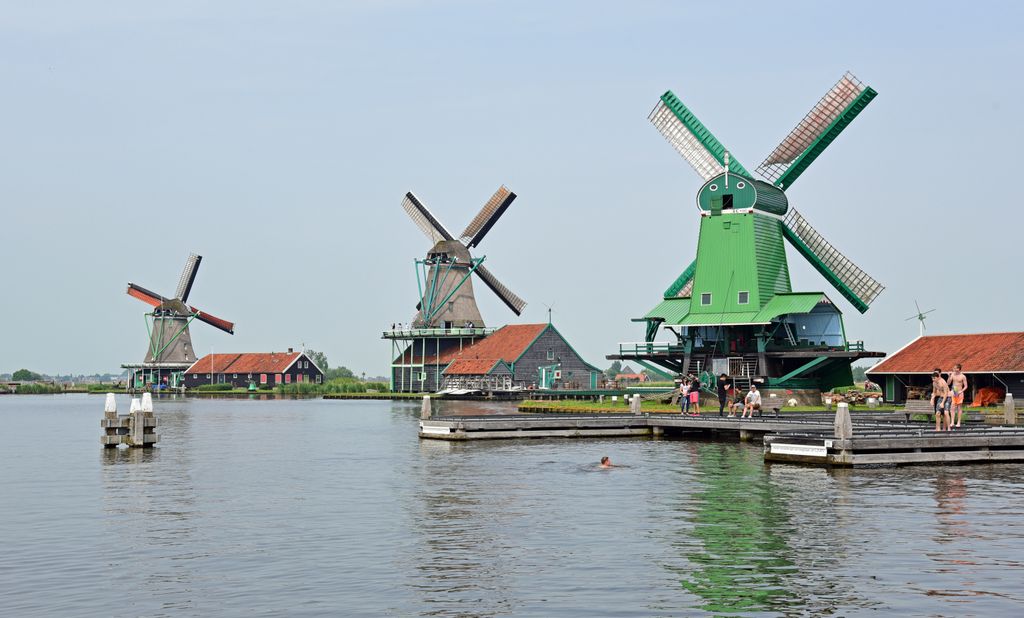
{"points": [[136, 429]]}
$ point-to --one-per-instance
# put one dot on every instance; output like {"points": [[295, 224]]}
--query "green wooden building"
{"points": [[733, 309]]}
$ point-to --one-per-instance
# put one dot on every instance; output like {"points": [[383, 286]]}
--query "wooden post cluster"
{"points": [[137, 428]]}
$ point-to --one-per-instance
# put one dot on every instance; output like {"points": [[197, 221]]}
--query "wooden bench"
{"points": [[916, 406]]}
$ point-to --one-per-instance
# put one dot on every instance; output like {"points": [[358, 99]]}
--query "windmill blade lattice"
{"points": [[188, 277], [424, 220], [819, 128], [691, 138], [514, 303], [852, 282], [487, 217]]}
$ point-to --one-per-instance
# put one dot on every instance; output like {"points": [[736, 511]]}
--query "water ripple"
{"points": [[312, 507]]}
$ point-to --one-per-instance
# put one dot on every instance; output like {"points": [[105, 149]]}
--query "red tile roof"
{"points": [[274, 362], [980, 353], [507, 343], [470, 366]]}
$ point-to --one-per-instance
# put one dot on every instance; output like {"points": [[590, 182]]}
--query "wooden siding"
{"points": [[573, 368]]}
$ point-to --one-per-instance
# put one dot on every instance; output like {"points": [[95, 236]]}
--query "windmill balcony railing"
{"points": [[854, 346], [416, 333], [640, 348]]}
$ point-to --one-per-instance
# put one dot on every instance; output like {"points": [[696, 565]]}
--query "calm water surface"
{"points": [[311, 507]]}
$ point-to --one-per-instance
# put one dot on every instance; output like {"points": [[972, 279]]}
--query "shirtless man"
{"points": [[606, 462], [940, 401], [958, 384]]}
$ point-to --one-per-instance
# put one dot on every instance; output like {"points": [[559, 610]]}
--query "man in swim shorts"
{"points": [[940, 401], [958, 386]]}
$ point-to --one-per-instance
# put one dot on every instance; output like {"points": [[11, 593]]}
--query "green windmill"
{"points": [[733, 308]]}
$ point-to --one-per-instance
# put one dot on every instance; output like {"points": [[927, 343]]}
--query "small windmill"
{"points": [[170, 344], [920, 317], [444, 276]]}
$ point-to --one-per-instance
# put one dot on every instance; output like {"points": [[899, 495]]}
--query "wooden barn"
{"points": [[991, 361], [517, 356], [263, 369]]}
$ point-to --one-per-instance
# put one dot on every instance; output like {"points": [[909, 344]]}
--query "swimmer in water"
{"points": [[606, 462]]}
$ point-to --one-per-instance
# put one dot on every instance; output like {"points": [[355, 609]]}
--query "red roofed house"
{"points": [[994, 360], [632, 378], [265, 369], [514, 356]]}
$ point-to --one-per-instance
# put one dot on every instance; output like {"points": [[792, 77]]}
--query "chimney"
{"points": [[289, 350]]}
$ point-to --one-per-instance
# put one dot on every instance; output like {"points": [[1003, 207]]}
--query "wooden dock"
{"points": [[897, 446], [802, 438], [508, 426]]}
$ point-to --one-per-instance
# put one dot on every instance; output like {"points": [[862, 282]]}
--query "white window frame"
{"points": [[702, 295], [551, 354], [742, 302]]}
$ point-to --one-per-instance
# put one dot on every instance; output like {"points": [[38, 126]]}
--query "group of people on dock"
{"points": [[689, 395], [948, 398], [747, 404]]}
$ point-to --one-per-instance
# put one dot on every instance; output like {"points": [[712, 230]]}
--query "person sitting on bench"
{"points": [[753, 402]]}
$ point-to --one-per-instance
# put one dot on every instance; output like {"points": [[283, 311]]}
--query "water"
{"points": [[311, 507]]}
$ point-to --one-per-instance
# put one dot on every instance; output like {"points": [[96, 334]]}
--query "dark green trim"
{"points": [[680, 281], [703, 135], [827, 137], [825, 271], [652, 329], [801, 369], [654, 369]]}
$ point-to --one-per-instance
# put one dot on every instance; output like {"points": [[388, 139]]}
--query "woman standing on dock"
{"points": [[684, 396], [695, 395]]}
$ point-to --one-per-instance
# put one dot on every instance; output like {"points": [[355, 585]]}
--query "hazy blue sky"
{"points": [[277, 140]]}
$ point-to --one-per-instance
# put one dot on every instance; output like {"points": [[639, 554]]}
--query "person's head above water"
{"points": [[606, 462]]}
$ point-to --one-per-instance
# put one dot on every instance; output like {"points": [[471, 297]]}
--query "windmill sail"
{"points": [[819, 128], [427, 223], [150, 298], [224, 325], [852, 282], [514, 303], [487, 217], [682, 287], [188, 277], [691, 138]]}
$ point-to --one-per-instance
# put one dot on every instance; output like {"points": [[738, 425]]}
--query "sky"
{"points": [[278, 139]]}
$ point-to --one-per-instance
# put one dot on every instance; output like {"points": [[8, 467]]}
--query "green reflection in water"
{"points": [[741, 565]]}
